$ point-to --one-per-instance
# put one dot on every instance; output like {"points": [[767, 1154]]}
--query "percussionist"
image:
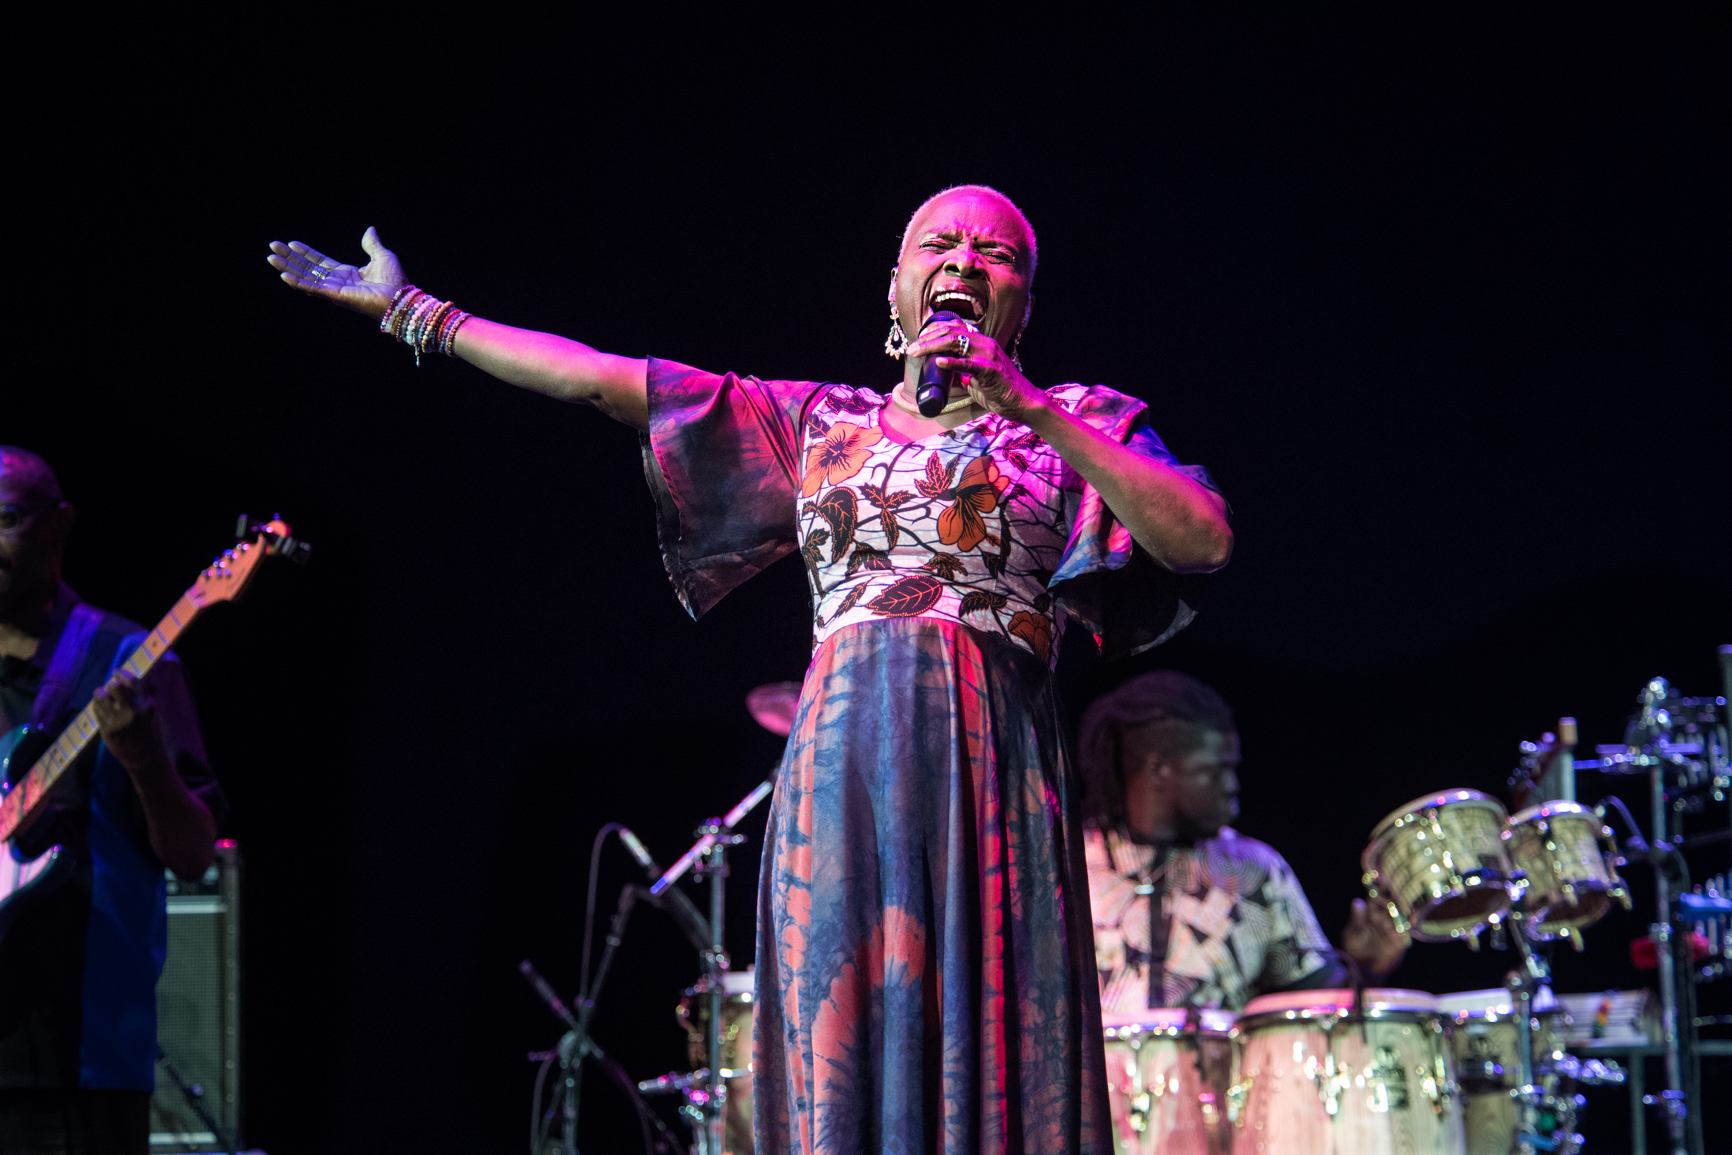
{"points": [[1187, 911]]}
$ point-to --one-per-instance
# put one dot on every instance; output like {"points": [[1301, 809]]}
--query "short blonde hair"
{"points": [[1033, 246]]}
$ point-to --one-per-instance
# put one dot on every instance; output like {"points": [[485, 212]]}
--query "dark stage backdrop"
{"points": [[1441, 302]]}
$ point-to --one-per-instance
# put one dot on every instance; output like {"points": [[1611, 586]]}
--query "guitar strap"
{"points": [[66, 665]]}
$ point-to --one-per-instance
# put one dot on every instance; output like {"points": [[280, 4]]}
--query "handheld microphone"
{"points": [[933, 391], [672, 899]]}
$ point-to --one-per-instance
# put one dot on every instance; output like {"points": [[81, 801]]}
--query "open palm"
{"points": [[367, 289]]}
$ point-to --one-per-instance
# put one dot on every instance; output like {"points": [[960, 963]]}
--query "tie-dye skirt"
{"points": [[926, 976]]}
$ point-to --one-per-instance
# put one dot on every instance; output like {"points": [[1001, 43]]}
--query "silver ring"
{"points": [[964, 352], [317, 272]]}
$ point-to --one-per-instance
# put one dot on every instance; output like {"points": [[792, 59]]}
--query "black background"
{"points": [[1439, 299]]}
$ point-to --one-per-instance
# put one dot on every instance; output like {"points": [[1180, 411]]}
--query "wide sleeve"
{"points": [[722, 460], [1104, 579]]}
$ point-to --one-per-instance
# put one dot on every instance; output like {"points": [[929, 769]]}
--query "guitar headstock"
{"points": [[229, 574]]}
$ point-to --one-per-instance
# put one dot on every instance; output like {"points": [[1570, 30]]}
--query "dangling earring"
{"points": [[897, 341]]}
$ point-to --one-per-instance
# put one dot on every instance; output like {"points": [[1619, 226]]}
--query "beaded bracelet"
{"points": [[448, 343], [422, 321], [393, 317], [448, 330], [417, 323], [430, 324]]}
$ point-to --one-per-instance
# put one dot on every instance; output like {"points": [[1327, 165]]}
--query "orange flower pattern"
{"points": [[967, 526], [1034, 629], [839, 455], [963, 525]]}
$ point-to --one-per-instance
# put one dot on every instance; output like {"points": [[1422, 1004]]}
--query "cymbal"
{"points": [[772, 706]]}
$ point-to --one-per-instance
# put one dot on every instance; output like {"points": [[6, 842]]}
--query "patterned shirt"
{"points": [[1239, 923]]}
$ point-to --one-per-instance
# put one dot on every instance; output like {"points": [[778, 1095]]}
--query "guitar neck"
{"points": [[25, 799]]}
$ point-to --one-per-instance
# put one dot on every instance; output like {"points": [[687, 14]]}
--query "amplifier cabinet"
{"points": [[198, 1004]]}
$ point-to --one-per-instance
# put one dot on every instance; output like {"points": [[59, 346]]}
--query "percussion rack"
{"points": [[1681, 745]]}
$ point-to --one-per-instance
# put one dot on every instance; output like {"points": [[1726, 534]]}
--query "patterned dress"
{"points": [[925, 964], [1238, 924]]}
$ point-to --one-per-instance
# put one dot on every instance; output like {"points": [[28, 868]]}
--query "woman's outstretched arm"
{"points": [[544, 362]]}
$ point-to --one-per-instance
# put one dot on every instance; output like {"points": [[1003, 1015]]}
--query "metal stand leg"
{"points": [[716, 866], [1637, 1081]]}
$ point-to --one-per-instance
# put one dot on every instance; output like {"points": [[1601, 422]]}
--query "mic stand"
{"points": [[1531, 1097], [576, 1044], [708, 858]]}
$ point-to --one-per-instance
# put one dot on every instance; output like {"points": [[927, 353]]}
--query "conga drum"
{"points": [[1485, 1047], [1307, 1078], [1167, 1073]]}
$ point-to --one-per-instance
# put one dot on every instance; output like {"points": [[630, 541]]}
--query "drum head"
{"points": [[1553, 810], [1463, 1005], [1457, 914], [1334, 1003], [1432, 802], [1165, 1019], [1563, 914]]}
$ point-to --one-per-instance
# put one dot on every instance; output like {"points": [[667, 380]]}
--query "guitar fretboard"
{"points": [[25, 799]]}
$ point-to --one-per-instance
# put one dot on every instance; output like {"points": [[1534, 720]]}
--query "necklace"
{"points": [[959, 399], [1146, 878]]}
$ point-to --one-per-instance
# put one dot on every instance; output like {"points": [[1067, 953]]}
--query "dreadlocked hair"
{"points": [[1163, 710]]}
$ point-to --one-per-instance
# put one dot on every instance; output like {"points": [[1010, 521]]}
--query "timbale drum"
{"points": [[1439, 864], [1571, 882]]}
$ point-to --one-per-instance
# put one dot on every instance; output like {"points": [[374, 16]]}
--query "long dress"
{"points": [[925, 967]]}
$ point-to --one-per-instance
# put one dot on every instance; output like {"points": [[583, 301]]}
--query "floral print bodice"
{"points": [[983, 524], [967, 525]]}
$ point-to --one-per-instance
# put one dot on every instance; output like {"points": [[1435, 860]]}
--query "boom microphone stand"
{"points": [[577, 1045], [708, 857]]}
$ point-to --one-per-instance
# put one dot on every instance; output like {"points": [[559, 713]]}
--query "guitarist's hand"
{"points": [[127, 718], [182, 831]]}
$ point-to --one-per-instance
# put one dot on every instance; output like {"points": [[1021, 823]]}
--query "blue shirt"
{"points": [[79, 963]]}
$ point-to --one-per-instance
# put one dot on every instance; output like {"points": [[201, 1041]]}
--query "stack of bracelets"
{"points": [[422, 322]]}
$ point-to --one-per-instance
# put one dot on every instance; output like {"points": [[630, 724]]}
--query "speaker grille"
{"points": [[198, 1014]]}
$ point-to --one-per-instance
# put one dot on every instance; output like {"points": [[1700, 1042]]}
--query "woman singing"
{"points": [[926, 976]]}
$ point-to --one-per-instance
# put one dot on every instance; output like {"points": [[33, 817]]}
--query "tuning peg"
{"points": [[242, 524]]}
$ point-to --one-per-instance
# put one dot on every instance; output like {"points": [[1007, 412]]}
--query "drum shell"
{"points": [[1440, 863], [1167, 1083], [1570, 883], [1483, 1044], [1387, 1078], [737, 1021]]}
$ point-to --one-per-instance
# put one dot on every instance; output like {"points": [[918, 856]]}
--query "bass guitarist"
{"points": [[82, 947]]}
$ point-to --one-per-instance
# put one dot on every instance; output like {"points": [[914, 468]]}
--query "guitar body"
{"points": [[20, 877]]}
